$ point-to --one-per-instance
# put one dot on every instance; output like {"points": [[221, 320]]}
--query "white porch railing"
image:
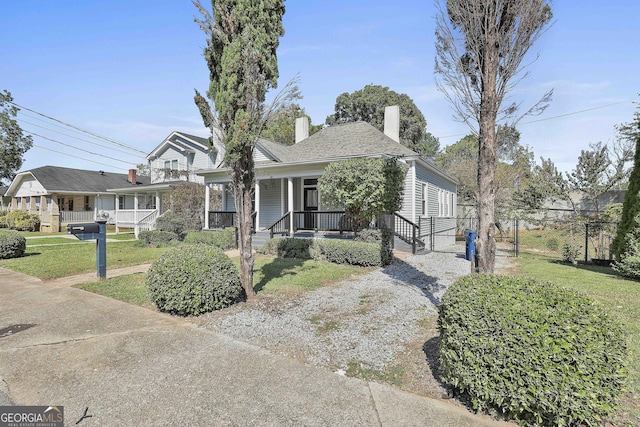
{"points": [[130, 217], [148, 222], [68, 217]]}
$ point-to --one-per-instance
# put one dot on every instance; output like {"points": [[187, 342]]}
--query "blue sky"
{"points": [[126, 70]]}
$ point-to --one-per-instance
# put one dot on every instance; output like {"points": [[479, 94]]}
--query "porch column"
{"points": [[136, 228], [158, 201], [283, 199], [290, 203], [257, 204], [95, 207], [117, 206], [207, 195], [224, 197]]}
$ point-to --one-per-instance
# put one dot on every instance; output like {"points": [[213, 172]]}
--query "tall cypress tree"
{"points": [[242, 37], [631, 206]]}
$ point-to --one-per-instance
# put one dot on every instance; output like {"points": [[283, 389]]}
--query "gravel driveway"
{"points": [[366, 320]]}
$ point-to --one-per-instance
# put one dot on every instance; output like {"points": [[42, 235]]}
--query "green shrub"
{"points": [[12, 244], [3, 221], [338, 251], [22, 220], [347, 252], [287, 248], [629, 263], [570, 253], [530, 351], [172, 223], [369, 235], [552, 244], [158, 237], [194, 279], [223, 239]]}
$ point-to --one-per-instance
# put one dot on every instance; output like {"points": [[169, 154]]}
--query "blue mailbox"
{"points": [[90, 231], [470, 238]]}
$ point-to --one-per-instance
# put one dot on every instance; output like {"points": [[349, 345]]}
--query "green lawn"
{"points": [[619, 296], [51, 262], [271, 275]]}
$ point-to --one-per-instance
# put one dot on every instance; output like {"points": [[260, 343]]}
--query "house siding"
{"points": [[407, 198], [269, 202]]}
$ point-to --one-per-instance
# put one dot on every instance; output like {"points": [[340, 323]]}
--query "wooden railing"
{"points": [[76, 216], [408, 231], [281, 226], [224, 219], [322, 221]]}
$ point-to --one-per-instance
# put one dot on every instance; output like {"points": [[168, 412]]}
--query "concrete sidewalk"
{"points": [[135, 367]]}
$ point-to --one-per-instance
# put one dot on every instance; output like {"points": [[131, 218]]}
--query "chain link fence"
{"points": [[570, 240]]}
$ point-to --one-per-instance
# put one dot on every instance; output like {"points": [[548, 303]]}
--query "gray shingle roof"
{"points": [[343, 140], [58, 179]]}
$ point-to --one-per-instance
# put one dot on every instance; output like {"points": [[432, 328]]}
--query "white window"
{"points": [[425, 194]]}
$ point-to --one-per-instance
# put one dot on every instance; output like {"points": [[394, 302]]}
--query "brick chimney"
{"points": [[392, 122], [302, 128], [132, 176]]}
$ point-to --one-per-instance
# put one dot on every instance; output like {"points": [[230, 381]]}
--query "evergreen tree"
{"points": [[13, 143], [631, 206], [242, 38]]}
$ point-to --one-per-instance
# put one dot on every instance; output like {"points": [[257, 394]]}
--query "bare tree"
{"points": [[480, 47]]}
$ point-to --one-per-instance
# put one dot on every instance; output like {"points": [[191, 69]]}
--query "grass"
{"points": [[51, 262], [619, 296], [130, 288], [35, 241], [271, 275]]}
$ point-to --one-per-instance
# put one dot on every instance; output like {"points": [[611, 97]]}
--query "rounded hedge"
{"points": [[530, 351], [194, 279], [223, 239], [12, 244]]}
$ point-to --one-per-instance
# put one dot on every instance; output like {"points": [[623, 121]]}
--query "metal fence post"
{"points": [[586, 242]]}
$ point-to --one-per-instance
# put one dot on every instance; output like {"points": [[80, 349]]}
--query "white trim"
{"points": [[290, 202], [257, 198], [207, 196], [413, 191]]}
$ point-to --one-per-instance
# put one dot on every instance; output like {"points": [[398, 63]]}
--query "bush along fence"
{"points": [[573, 241]]}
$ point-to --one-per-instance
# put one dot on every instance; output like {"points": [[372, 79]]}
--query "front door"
{"points": [[310, 203]]}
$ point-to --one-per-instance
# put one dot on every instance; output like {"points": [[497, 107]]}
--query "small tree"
{"points": [[365, 188], [187, 203], [13, 143]]}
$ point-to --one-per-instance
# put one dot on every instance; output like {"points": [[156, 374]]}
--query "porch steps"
{"points": [[402, 246], [259, 239]]}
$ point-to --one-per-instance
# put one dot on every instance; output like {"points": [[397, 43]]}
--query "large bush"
{"points": [[530, 351], [287, 248], [12, 244], [172, 223], [223, 239], [338, 251], [22, 220], [194, 279], [158, 237]]}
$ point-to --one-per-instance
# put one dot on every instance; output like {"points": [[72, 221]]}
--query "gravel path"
{"points": [[365, 321]]}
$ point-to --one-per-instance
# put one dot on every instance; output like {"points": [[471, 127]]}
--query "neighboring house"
{"points": [[176, 159], [287, 197], [63, 195]]}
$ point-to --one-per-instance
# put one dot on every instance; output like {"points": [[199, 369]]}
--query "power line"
{"points": [[71, 155], [80, 129], [81, 149], [558, 116], [74, 137]]}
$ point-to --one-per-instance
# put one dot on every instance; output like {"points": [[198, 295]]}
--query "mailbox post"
{"points": [[98, 231]]}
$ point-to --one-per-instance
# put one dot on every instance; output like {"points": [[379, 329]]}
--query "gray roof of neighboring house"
{"points": [[343, 140], [58, 179], [180, 140]]}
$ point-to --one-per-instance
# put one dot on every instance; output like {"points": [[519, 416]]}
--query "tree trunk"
{"points": [[487, 160], [243, 183]]}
